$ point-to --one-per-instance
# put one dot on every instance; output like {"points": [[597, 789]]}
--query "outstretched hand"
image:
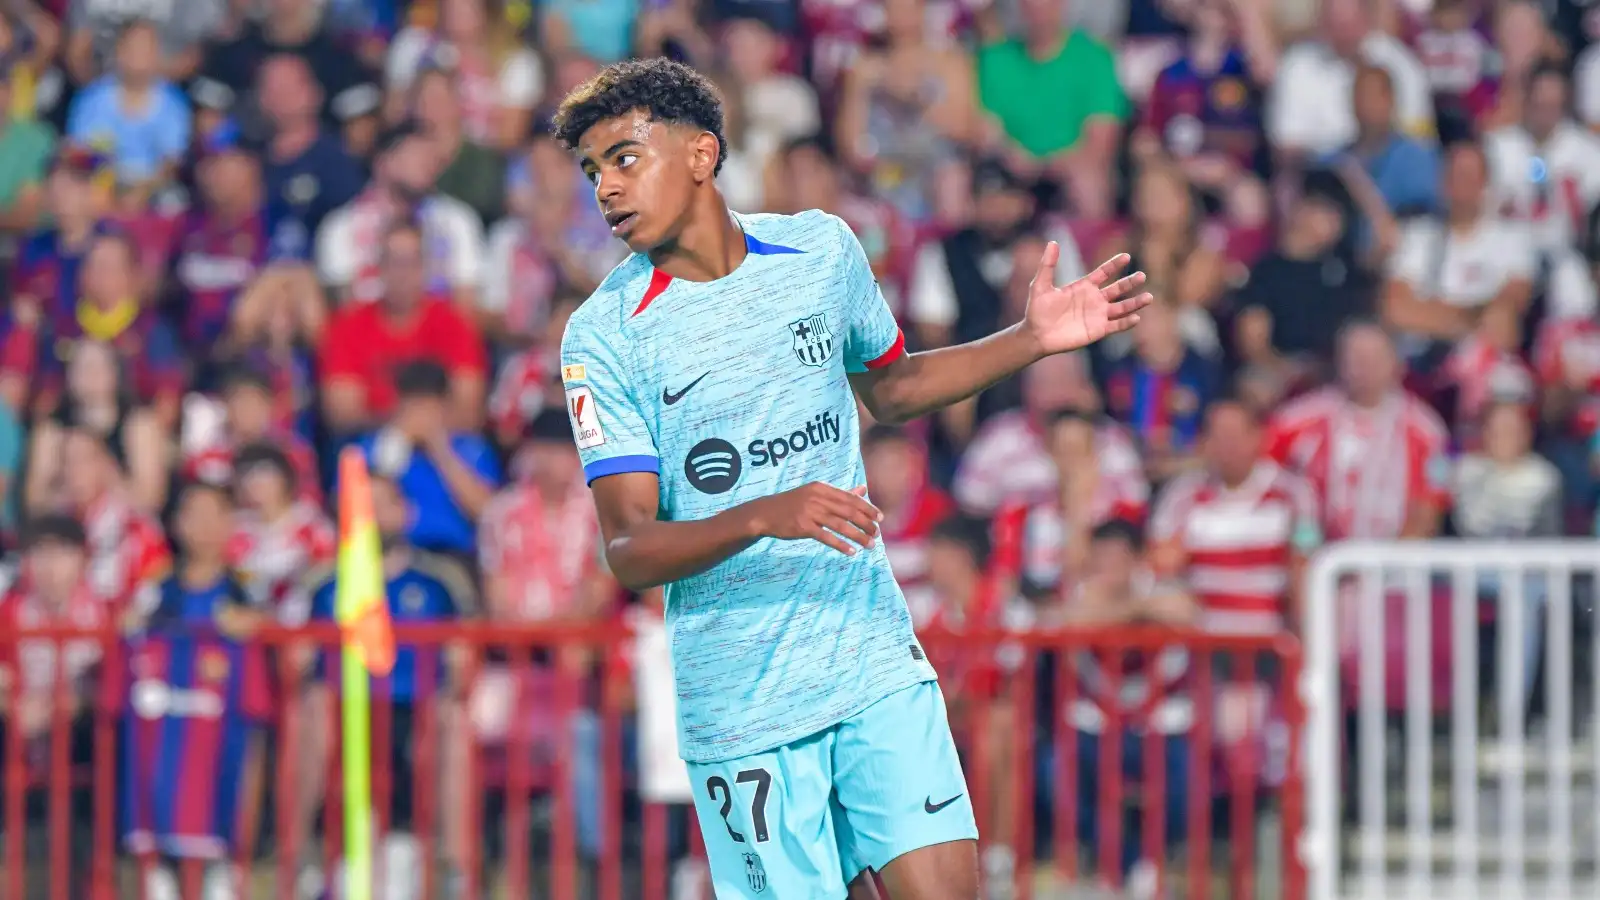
{"points": [[1088, 309]]}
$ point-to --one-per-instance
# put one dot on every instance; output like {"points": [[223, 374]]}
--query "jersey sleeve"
{"points": [[872, 337], [604, 405]]}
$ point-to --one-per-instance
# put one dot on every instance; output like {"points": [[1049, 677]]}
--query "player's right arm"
{"points": [[622, 465]]}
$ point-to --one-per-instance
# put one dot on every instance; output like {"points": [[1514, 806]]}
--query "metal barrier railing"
{"points": [[503, 758], [1437, 767]]}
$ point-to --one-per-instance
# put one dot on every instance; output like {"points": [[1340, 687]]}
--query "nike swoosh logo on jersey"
{"points": [[930, 807], [670, 398]]}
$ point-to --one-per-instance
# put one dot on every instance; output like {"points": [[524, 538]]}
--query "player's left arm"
{"points": [[897, 387]]}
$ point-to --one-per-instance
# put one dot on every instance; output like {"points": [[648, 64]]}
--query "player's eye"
{"points": [[592, 174], [626, 160]]}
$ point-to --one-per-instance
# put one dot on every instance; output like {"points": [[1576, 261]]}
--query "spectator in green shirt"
{"points": [[1053, 95], [472, 173], [25, 149]]}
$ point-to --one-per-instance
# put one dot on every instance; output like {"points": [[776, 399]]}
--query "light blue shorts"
{"points": [[804, 819]]}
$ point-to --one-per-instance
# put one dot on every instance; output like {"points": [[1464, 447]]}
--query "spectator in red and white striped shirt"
{"points": [[897, 470], [1238, 531], [1374, 453]]}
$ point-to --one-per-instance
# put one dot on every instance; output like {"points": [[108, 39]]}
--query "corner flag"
{"points": [[362, 610]]}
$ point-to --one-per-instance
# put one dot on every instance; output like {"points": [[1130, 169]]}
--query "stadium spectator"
{"points": [[805, 174], [1162, 390], [473, 173], [897, 470], [49, 587], [1523, 43], [538, 538], [404, 178], [498, 80], [1448, 269], [1506, 490], [197, 694], [1544, 171], [1297, 297], [1405, 168], [232, 80], [446, 476], [108, 309], [1457, 53], [420, 587], [529, 381], [25, 149], [223, 244], [366, 341], [1238, 532], [128, 554], [249, 414], [1205, 108], [99, 400], [30, 44], [1149, 695], [907, 112], [961, 286], [139, 118], [1045, 541], [306, 171], [1373, 451], [1008, 460], [1310, 110], [1074, 140], [279, 533], [277, 327], [778, 106], [95, 29], [603, 32], [44, 276]]}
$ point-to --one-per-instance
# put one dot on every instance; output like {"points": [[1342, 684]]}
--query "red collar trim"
{"points": [[658, 285]]}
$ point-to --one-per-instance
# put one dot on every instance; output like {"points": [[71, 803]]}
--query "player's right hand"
{"points": [[843, 520]]}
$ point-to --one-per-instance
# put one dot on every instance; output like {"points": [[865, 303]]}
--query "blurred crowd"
{"points": [[239, 235]]}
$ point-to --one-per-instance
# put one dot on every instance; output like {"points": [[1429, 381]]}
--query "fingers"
{"points": [[1123, 287], [1128, 307], [832, 540], [1106, 271], [1117, 326], [1046, 276]]}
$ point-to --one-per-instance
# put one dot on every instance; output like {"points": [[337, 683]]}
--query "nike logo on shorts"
{"points": [[930, 807]]}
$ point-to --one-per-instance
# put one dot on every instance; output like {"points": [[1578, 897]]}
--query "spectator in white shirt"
{"points": [[1310, 111], [404, 172], [1450, 268], [1545, 170]]}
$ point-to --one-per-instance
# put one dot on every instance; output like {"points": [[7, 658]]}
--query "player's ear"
{"points": [[704, 152]]}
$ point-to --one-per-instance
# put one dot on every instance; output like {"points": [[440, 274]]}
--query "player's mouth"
{"points": [[621, 221]]}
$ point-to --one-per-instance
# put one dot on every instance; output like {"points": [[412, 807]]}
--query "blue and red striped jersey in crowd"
{"points": [[1195, 112], [147, 347], [1164, 409], [46, 270], [192, 701], [215, 261]]}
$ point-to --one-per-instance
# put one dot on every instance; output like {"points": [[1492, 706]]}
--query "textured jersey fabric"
{"points": [[732, 390]]}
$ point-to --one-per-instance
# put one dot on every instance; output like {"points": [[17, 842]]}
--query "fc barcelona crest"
{"points": [[813, 342], [755, 873]]}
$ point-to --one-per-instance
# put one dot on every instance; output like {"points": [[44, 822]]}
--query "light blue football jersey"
{"points": [[732, 390]]}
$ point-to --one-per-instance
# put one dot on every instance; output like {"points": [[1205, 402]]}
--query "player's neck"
{"points": [[710, 247]]}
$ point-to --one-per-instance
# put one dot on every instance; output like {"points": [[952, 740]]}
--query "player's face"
{"points": [[644, 175]]}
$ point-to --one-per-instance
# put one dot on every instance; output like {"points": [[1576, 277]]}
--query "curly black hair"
{"points": [[666, 89]]}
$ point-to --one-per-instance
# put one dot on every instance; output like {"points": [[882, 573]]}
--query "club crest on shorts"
{"points": [[813, 342], [755, 872]]}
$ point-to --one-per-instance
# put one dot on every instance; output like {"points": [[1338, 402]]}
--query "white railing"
{"points": [[1510, 812]]}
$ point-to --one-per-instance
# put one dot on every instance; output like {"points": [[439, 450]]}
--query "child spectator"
{"points": [[128, 555], [279, 535]]}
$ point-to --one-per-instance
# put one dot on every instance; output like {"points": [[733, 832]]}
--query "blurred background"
{"points": [[239, 235]]}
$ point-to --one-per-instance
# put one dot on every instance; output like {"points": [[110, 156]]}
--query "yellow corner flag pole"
{"points": [[368, 647]]}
